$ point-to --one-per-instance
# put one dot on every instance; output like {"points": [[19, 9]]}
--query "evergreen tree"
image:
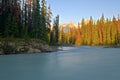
{"points": [[78, 36], [48, 21], [118, 30], [89, 31], [56, 30], [108, 36], [8, 26], [43, 28], [95, 37], [100, 31], [61, 36], [114, 30], [72, 35], [83, 32], [36, 19], [5, 9], [11, 29]]}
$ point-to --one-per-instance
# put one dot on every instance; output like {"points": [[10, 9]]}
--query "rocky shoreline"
{"points": [[113, 46], [20, 46]]}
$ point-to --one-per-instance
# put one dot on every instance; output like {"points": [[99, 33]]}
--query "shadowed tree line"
{"points": [[25, 19]]}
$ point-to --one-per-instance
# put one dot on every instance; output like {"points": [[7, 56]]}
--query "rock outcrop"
{"points": [[23, 46]]}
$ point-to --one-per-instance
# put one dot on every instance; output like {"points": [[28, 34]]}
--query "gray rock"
{"points": [[31, 50], [23, 46]]}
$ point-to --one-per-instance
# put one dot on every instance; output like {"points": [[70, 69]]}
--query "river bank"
{"points": [[113, 46], [19, 46]]}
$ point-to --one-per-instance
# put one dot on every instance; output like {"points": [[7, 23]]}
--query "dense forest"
{"points": [[31, 19], [26, 19], [100, 32]]}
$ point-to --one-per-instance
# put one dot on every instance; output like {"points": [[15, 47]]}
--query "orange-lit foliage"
{"points": [[78, 35], [102, 32]]}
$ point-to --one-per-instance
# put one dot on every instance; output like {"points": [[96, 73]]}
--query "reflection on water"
{"points": [[73, 63]]}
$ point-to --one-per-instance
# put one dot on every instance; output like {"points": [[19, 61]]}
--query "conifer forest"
{"points": [[32, 19], [90, 32]]}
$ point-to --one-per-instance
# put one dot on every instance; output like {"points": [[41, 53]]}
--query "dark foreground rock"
{"points": [[23, 46]]}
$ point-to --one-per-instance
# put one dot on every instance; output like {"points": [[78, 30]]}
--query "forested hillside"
{"points": [[90, 32]]}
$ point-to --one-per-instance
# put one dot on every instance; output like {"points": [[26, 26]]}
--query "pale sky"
{"points": [[75, 10]]}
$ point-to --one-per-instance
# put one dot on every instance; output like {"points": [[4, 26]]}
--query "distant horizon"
{"points": [[75, 10]]}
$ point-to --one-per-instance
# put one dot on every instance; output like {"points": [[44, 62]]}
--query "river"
{"points": [[73, 63]]}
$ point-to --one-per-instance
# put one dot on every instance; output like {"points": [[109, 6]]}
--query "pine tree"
{"points": [[11, 30], [108, 36], [114, 21], [78, 36], [83, 32], [36, 19], [48, 22], [95, 37], [8, 26], [62, 36], [90, 31], [100, 25], [48, 19], [118, 30], [5, 9], [43, 28], [56, 29]]}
